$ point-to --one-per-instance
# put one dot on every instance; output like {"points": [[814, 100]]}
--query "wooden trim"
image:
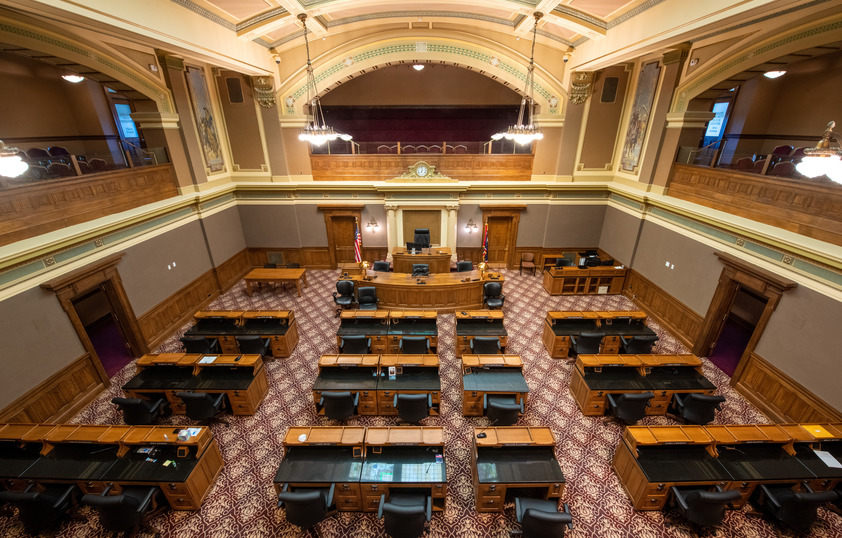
{"points": [[754, 277], [308, 257], [459, 166], [780, 397], [59, 397], [334, 211]]}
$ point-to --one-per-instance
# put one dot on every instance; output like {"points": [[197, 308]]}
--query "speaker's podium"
{"points": [[437, 258]]}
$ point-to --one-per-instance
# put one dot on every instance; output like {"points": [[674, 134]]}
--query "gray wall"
{"points": [[619, 233], [379, 237], [574, 226], [37, 341], [533, 225], [311, 225], [225, 235], [465, 238], [270, 226]]}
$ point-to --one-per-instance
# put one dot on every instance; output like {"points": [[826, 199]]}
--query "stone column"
{"points": [[452, 211], [391, 229]]}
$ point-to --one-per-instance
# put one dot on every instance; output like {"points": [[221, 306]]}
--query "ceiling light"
{"points": [[824, 159], [11, 165], [75, 79], [418, 67], [774, 74]]}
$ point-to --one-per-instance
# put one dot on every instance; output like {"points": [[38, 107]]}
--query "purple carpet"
{"points": [[730, 347], [110, 346], [243, 503]]}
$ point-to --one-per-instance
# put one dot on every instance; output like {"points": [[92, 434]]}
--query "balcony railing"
{"points": [[497, 147]]}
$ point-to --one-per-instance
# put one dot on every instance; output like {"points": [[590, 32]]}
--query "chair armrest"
{"points": [[65, 495], [368, 343], [625, 340], [521, 406], [144, 504], [158, 403], [330, 495], [322, 400], [678, 400], [356, 399], [573, 340], [611, 401], [395, 401], [429, 401], [283, 490], [485, 402], [769, 497], [429, 508], [567, 510], [518, 512], [334, 295], [380, 506]]}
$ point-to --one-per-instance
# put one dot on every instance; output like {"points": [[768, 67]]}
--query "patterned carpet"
{"points": [[242, 502]]}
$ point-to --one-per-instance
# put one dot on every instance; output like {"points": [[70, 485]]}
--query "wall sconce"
{"points": [[372, 225], [471, 226]]}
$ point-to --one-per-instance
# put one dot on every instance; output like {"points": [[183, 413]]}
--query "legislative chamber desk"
{"points": [[491, 375], [443, 292], [95, 457], [587, 281], [651, 459], [471, 323], [596, 376], [369, 376], [278, 326], [514, 460], [365, 463], [560, 326], [437, 258], [241, 377], [276, 276], [386, 329]]}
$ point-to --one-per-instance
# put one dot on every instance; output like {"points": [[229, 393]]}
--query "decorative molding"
{"points": [[677, 55], [689, 119], [210, 15], [633, 13], [580, 86], [567, 12], [383, 167], [430, 175], [264, 90]]}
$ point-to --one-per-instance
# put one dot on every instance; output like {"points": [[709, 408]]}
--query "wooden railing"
{"points": [[380, 167]]}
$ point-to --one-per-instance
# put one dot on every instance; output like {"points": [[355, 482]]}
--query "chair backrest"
{"points": [[502, 413], [196, 344], [400, 521], [408, 149], [304, 508], [758, 164], [99, 165], [60, 170], [84, 167], [798, 510], [412, 407], [345, 287], [744, 163], [355, 344], [700, 408], [339, 405], [422, 235], [464, 266], [40, 509], [783, 169], [420, 269], [538, 523], [416, 345], [784, 149], [252, 344], [592, 261], [367, 298], [485, 345], [702, 507], [381, 266], [640, 345], [201, 405], [58, 151], [138, 412], [527, 256], [629, 407], [270, 265], [492, 289], [588, 342], [121, 512]]}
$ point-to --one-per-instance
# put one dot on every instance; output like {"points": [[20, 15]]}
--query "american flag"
{"points": [[358, 242], [485, 243]]}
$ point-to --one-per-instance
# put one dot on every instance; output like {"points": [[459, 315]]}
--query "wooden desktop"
{"points": [[437, 258], [386, 329], [559, 326], [443, 292], [274, 276], [279, 326]]}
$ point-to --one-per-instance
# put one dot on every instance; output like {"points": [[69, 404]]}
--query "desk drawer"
{"points": [[371, 503], [491, 490], [279, 346], [380, 348], [463, 349], [472, 403], [228, 344], [439, 490], [652, 502], [181, 502], [555, 490], [610, 344], [489, 504], [348, 504]]}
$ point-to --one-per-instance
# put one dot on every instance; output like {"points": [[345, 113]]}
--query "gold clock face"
{"points": [[421, 171]]}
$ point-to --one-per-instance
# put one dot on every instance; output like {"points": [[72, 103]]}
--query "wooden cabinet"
{"points": [[575, 281], [347, 497]]}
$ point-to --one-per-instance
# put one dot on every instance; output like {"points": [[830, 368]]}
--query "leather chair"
{"points": [[138, 412], [795, 510], [339, 405], [129, 511], [254, 345], [343, 297], [416, 345], [701, 507], [502, 410], [406, 515], [527, 260], [306, 507], [638, 345], [696, 408], [486, 345], [40, 510], [587, 342], [539, 518], [367, 298], [629, 407], [202, 406], [413, 407], [492, 294], [200, 344], [381, 266], [422, 236], [420, 269], [355, 345], [464, 266]]}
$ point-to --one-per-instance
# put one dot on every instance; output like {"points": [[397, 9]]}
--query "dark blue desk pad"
{"points": [[134, 467], [319, 464], [14, 459], [670, 378], [811, 461], [480, 327], [74, 461], [677, 378], [412, 378], [615, 378], [574, 327], [255, 326], [351, 378], [356, 327], [404, 465], [761, 462], [495, 380], [518, 465], [680, 464], [413, 327], [210, 378]]}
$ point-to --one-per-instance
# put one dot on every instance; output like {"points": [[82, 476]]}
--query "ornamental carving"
{"points": [[264, 90], [422, 171], [580, 86]]}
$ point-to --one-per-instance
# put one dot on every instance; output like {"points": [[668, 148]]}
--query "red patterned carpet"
{"points": [[242, 502]]}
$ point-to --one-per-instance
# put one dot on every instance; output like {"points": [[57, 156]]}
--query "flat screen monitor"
{"points": [[411, 245]]}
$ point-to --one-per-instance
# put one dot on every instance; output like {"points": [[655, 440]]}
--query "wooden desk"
{"points": [[278, 326], [559, 326], [596, 376], [95, 456], [509, 458], [443, 292], [438, 258], [589, 281], [472, 323], [491, 375], [355, 373], [386, 329], [241, 377], [295, 276]]}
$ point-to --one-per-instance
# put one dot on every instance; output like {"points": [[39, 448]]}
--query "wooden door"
{"points": [[343, 236], [499, 234]]}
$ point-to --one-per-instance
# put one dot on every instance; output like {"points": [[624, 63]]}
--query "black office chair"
{"points": [[539, 518], [381, 266], [307, 507], [293, 265], [129, 511], [367, 298], [339, 405], [420, 269], [416, 345], [40, 510], [593, 261], [563, 262], [203, 406], [701, 507], [405, 515], [587, 342], [254, 345], [795, 510], [270, 265], [696, 408], [200, 344], [492, 294], [413, 407], [355, 345], [502, 410], [629, 407], [422, 237], [607, 263], [343, 297], [138, 412], [638, 345], [486, 345], [464, 266]]}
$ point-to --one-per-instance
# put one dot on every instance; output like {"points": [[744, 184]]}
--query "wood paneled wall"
{"points": [[58, 398], [463, 167], [310, 257], [232, 270]]}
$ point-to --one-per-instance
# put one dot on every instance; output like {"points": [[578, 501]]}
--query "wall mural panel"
{"points": [[641, 109], [205, 121]]}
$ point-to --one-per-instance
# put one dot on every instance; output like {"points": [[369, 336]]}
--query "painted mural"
{"points": [[641, 109], [205, 122]]}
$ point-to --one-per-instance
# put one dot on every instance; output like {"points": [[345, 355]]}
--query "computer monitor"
{"points": [[410, 246]]}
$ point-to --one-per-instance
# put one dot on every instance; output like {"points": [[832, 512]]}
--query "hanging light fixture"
{"points": [[317, 131], [11, 164], [825, 158], [525, 131]]}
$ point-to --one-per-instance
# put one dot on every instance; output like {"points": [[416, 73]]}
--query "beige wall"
{"points": [[619, 234], [241, 122], [603, 121]]}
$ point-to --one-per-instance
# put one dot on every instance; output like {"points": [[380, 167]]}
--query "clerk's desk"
{"points": [[365, 463], [241, 377], [369, 376], [437, 258], [279, 326], [491, 375], [471, 323], [517, 460], [651, 459], [596, 376], [386, 329], [585, 281], [94, 457], [560, 326]]}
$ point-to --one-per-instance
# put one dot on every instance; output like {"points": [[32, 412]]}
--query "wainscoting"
{"points": [[310, 257]]}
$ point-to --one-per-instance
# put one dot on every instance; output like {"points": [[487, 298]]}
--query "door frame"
{"points": [[338, 211], [506, 211]]}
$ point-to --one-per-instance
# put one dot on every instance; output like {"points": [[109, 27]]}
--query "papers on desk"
{"points": [[828, 459], [208, 359]]}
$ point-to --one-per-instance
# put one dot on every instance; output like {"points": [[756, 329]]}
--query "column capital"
{"points": [[676, 55], [580, 86]]}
